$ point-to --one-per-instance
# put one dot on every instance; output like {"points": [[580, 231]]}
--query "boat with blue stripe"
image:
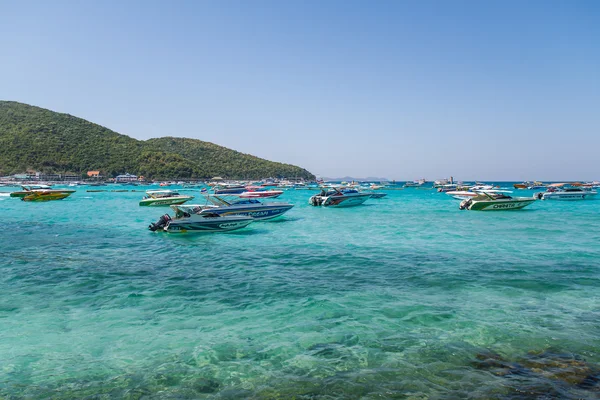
{"points": [[234, 205]]}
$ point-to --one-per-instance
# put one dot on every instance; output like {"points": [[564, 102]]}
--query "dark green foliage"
{"points": [[33, 138]]}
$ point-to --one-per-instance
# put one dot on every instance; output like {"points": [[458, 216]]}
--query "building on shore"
{"points": [[126, 178], [94, 175]]}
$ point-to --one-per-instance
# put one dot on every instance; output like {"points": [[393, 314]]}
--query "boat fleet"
{"points": [[232, 206]]}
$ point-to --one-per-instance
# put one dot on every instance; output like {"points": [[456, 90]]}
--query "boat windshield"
{"points": [[246, 201]]}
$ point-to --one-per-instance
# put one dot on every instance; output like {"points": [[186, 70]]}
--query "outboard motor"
{"points": [[538, 196], [315, 200], [465, 204], [161, 223]]}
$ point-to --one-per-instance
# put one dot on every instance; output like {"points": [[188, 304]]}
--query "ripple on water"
{"points": [[408, 298]]}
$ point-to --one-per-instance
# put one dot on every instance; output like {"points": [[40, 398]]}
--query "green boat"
{"points": [[495, 202], [155, 198]]}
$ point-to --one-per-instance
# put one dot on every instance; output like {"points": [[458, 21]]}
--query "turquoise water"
{"points": [[404, 297]]}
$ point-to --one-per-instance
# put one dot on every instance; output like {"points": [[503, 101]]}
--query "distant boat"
{"points": [[230, 189], [416, 183], [261, 194], [155, 198], [530, 185]]}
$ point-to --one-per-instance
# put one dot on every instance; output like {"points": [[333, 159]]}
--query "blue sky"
{"points": [[494, 90]]}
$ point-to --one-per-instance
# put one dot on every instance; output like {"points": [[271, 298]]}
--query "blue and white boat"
{"points": [[234, 205], [186, 221]]}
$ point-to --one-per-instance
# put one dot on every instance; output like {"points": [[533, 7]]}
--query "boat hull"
{"points": [[569, 196], [198, 223], [23, 193], [258, 213], [513, 204], [39, 197]]}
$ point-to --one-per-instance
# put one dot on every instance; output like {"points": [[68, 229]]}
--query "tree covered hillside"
{"points": [[33, 138]]}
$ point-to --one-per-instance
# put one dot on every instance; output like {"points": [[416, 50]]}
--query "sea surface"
{"points": [[404, 297]]}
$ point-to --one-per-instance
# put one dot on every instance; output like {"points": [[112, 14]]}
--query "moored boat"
{"points": [[186, 220], [417, 183], [229, 189], [156, 198], [252, 193], [575, 193], [485, 201], [339, 198], [233, 205]]}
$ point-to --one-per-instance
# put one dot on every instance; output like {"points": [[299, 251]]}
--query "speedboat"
{"points": [[31, 191], [339, 198], [530, 185], [233, 205], [155, 198], [27, 189], [416, 183], [47, 195], [186, 220], [567, 194], [491, 201], [255, 192]]}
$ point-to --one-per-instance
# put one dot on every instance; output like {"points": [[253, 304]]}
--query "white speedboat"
{"points": [[187, 221], [495, 202], [233, 205], [567, 194], [155, 198], [255, 193], [339, 198]]}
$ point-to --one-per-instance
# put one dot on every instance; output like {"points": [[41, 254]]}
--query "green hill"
{"points": [[33, 138]]}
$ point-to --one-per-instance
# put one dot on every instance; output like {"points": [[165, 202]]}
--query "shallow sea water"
{"points": [[404, 297]]}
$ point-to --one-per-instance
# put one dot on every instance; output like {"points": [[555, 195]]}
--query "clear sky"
{"points": [[489, 90]]}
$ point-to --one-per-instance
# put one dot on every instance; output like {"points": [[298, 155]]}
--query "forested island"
{"points": [[37, 139]]}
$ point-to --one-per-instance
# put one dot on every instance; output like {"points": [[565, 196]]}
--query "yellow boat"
{"points": [[46, 195]]}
